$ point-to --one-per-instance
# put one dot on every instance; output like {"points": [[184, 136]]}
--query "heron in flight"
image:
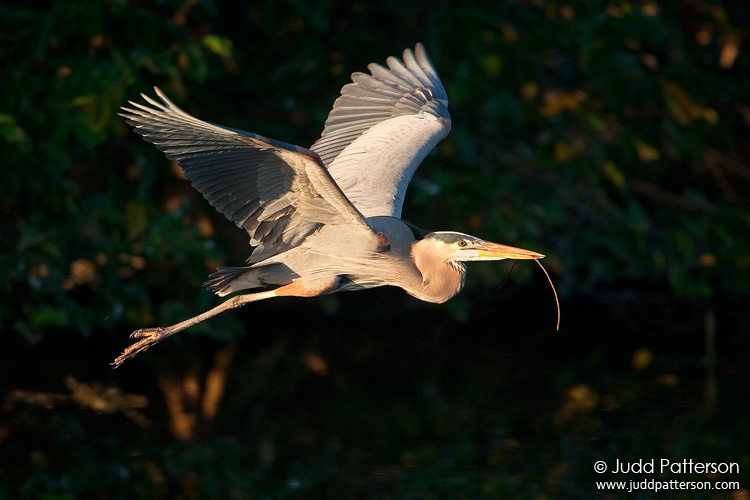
{"points": [[325, 219]]}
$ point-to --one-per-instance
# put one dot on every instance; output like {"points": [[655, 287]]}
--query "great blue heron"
{"points": [[324, 219]]}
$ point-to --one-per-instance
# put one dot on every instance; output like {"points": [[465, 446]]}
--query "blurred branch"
{"points": [[725, 161], [93, 396], [709, 329], [719, 164], [216, 381], [191, 403], [674, 200], [181, 397], [180, 17]]}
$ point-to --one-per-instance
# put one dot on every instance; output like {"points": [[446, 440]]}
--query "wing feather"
{"points": [[277, 192], [381, 128]]}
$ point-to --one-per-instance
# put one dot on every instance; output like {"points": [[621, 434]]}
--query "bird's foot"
{"points": [[148, 332], [148, 336]]}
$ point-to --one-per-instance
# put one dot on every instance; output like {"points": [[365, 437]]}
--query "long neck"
{"points": [[441, 279]]}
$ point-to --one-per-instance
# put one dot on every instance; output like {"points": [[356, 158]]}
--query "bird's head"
{"points": [[459, 247]]}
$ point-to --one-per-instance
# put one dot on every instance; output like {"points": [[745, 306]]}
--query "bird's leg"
{"points": [[150, 336]]}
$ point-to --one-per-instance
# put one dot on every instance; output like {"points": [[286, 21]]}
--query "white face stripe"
{"points": [[452, 237], [452, 233]]}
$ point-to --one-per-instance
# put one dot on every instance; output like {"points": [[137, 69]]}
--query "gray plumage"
{"points": [[324, 219], [381, 128], [277, 192]]}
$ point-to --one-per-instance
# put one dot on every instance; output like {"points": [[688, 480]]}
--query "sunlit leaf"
{"points": [[707, 259], [646, 152], [219, 45], [491, 64], [137, 218], [614, 174], [642, 358], [10, 130], [557, 102]]}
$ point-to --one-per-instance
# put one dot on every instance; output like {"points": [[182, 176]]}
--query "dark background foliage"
{"points": [[611, 136]]}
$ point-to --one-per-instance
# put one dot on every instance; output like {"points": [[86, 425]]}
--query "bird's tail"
{"points": [[231, 279]]}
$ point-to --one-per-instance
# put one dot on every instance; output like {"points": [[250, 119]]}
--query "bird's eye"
{"points": [[462, 243]]}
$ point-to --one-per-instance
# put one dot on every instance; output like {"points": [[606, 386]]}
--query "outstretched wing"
{"points": [[381, 128], [277, 192]]}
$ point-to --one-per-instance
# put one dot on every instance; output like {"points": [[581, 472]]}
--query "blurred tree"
{"points": [[611, 136]]}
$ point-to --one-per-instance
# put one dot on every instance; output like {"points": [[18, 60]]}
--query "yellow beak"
{"points": [[496, 251]]}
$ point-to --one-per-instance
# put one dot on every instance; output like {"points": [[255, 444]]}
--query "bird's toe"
{"points": [[146, 332]]}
